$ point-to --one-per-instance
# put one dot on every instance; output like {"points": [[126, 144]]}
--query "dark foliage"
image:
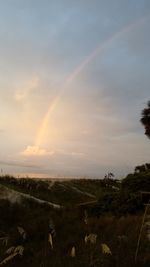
{"points": [[115, 219], [145, 120]]}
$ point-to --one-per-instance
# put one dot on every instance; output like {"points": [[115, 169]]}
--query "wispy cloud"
{"points": [[19, 164], [70, 153], [36, 151]]}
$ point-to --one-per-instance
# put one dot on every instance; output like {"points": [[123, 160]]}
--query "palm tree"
{"points": [[145, 120]]}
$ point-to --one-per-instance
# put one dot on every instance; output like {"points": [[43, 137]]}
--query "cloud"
{"points": [[36, 151], [19, 164], [97, 119], [69, 153], [26, 89]]}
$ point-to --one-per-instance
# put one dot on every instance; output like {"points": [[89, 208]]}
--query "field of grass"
{"points": [[40, 234]]}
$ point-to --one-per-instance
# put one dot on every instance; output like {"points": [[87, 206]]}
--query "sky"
{"points": [[74, 77]]}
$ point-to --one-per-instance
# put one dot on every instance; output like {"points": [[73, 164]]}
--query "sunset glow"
{"points": [[73, 85]]}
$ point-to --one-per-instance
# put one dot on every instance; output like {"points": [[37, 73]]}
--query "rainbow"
{"points": [[99, 49]]}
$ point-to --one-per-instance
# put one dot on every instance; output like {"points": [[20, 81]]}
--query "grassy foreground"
{"points": [[34, 233]]}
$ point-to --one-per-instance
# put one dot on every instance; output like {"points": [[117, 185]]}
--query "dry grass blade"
{"points": [[19, 250], [105, 249], [50, 240], [73, 252], [141, 229], [13, 251], [90, 238], [10, 250], [10, 257], [4, 240], [22, 232]]}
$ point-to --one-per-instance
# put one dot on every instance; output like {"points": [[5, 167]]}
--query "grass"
{"points": [[57, 237]]}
